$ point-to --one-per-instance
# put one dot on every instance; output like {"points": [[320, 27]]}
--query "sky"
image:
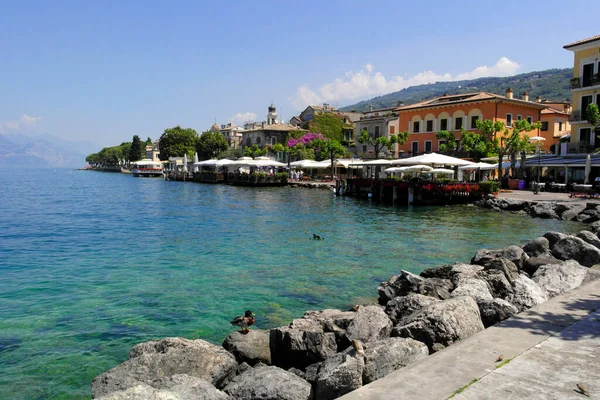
{"points": [[103, 71]]}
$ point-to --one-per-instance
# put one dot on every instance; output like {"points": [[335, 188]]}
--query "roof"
{"points": [[583, 41], [352, 116], [320, 108], [557, 161], [274, 127], [550, 110], [467, 98]]}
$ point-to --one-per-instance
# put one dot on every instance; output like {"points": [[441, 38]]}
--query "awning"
{"points": [[558, 161]]}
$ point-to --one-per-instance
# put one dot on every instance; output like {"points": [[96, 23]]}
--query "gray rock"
{"points": [[449, 271], [559, 278], [572, 212], [269, 383], [544, 210], [311, 372], [574, 248], [371, 323], [508, 268], [496, 310], [532, 264], [407, 282], [141, 392], [444, 322], [302, 343], [388, 355], [474, 288], [527, 294], [335, 321], [554, 237], [155, 360], [592, 275], [515, 254], [402, 306], [251, 347], [594, 227], [589, 215], [590, 238], [499, 286], [537, 247], [339, 375]]}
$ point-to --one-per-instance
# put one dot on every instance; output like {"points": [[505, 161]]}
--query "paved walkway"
{"points": [[527, 195], [546, 352]]}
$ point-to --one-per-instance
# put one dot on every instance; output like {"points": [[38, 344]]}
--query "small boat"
{"points": [[147, 168]]}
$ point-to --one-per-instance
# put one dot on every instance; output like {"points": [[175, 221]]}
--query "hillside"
{"points": [[551, 84]]}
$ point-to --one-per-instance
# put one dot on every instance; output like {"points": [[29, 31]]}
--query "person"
{"points": [[484, 179]]}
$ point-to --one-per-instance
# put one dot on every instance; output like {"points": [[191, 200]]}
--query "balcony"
{"points": [[578, 116], [585, 81]]}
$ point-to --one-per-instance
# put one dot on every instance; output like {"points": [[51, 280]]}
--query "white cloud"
{"points": [[241, 118], [24, 122], [367, 82]]}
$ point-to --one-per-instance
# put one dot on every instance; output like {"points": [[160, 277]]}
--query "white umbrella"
{"points": [[185, 161], [588, 169], [416, 168], [318, 165], [442, 171], [393, 169], [432, 159], [375, 162], [480, 165]]}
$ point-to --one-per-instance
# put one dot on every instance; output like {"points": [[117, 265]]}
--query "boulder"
{"points": [[554, 237], [574, 248], [495, 310], [498, 284], [371, 323], [593, 274], [572, 212], [590, 238], [335, 321], [251, 347], [155, 360], [269, 383], [532, 264], [515, 254], [311, 372], [444, 322], [450, 271], [402, 306], [302, 343], [339, 375], [508, 268], [407, 282], [527, 294], [594, 227], [388, 355], [590, 214], [559, 278], [537, 247], [544, 210], [474, 288]]}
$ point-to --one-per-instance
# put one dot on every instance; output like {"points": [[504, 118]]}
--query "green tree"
{"points": [[512, 143], [149, 142], [329, 149], [136, 151], [177, 141], [450, 145], [592, 115], [477, 144], [254, 151], [211, 144], [329, 125], [382, 142]]}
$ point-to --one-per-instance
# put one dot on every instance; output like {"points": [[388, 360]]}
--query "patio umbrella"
{"points": [[185, 161], [442, 171], [195, 161], [588, 169], [432, 159], [416, 168], [480, 165], [392, 169]]}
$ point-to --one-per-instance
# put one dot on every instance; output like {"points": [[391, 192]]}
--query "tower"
{"points": [[272, 115]]}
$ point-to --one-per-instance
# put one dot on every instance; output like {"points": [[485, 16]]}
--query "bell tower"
{"points": [[272, 115]]}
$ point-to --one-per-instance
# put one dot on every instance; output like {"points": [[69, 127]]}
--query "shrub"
{"points": [[489, 187]]}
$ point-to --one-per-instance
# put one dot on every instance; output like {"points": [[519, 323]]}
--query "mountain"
{"points": [[551, 84], [45, 151]]}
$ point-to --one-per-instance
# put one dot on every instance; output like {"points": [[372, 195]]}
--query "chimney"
{"points": [[538, 99], [263, 124], [325, 105], [525, 96], [509, 93]]}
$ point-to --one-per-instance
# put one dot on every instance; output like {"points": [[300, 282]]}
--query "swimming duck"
{"points": [[245, 321], [317, 237]]}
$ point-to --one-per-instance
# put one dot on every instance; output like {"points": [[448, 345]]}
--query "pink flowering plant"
{"points": [[306, 139]]}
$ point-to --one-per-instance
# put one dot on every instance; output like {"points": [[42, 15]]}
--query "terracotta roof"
{"points": [[321, 108], [550, 110], [274, 127], [466, 98], [583, 41]]}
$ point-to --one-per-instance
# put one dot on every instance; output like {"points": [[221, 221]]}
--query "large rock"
{"points": [[554, 237], [176, 387], [475, 288], [574, 248], [496, 310], [537, 247], [371, 323], [590, 238], [444, 322], [407, 282], [515, 254], [155, 360], [533, 263], [572, 212], [527, 294], [448, 272], [252, 347], [302, 343], [499, 286], [590, 214], [339, 374], [388, 355], [269, 383], [402, 306], [544, 210], [507, 267], [335, 321], [594, 227], [560, 278]]}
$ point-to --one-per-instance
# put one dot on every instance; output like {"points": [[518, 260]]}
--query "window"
{"points": [[474, 119], [273, 140], [392, 129], [529, 120], [585, 102], [458, 123], [377, 131], [415, 147], [440, 144], [364, 148], [443, 124], [560, 126], [509, 120], [598, 96], [428, 146], [457, 144], [258, 140], [429, 126], [416, 127], [587, 76], [249, 142], [519, 117], [544, 125], [585, 135]]}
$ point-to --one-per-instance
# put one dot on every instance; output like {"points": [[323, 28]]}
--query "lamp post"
{"points": [[537, 140]]}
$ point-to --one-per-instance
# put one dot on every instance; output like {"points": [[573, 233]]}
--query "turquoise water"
{"points": [[92, 263]]}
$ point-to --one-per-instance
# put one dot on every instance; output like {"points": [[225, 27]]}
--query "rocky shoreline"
{"points": [[328, 353]]}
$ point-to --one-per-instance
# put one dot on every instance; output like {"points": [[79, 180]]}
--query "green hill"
{"points": [[551, 84]]}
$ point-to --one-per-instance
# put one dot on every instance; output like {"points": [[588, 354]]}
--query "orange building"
{"points": [[455, 112]]}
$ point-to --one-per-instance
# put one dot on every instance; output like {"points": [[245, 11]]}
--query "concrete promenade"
{"points": [[546, 352]]}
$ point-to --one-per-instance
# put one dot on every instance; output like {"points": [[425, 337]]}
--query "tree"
{"points": [[211, 144], [136, 151], [592, 115], [382, 142], [330, 149], [450, 138], [477, 144], [177, 141], [329, 125], [149, 142], [512, 143], [254, 151]]}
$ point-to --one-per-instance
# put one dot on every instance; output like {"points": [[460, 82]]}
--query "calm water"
{"points": [[92, 263]]}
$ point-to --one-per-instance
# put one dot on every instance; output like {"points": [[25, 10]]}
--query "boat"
{"points": [[147, 168]]}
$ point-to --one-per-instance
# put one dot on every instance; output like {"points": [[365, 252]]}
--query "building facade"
{"points": [[377, 123]]}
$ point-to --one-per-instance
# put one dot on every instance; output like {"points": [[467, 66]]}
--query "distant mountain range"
{"points": [[551, 84], [45, 151]]}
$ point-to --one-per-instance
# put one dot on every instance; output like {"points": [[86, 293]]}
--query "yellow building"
{"points": [[585, 90]]}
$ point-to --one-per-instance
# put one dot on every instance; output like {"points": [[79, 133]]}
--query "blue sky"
{"points": [[106, 70]]}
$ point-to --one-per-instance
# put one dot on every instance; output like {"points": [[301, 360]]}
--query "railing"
{"points": [[577, 116], [586, 81]]}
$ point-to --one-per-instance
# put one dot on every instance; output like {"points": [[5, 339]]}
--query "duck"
{"points": [[317, 237], [245, 321]]}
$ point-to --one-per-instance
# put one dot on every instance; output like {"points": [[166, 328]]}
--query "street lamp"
{"points": [[537, 140]]}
